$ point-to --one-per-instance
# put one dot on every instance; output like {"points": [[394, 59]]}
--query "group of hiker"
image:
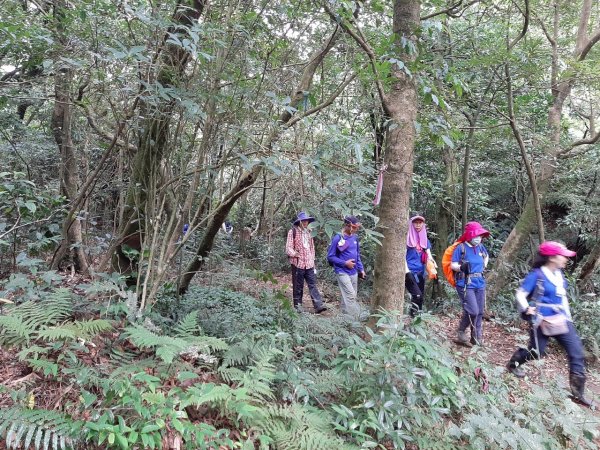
{"points": [[541, 298]]}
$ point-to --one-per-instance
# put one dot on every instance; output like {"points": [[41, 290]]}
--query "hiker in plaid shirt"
{"points": [[300, 248]]}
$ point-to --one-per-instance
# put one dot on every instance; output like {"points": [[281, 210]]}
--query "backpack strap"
{"points": [[538, 290]]}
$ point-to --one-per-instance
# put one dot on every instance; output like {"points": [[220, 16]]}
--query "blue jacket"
{"points": [[413, 259], [476, 258], [339, 257], [542, 290]]}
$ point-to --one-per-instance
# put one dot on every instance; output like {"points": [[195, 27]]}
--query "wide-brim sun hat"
{"points": [[303, 216], [553, 248], [472, 230]]}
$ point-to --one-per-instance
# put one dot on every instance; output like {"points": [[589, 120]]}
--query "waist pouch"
{"points": [[554, 325]]}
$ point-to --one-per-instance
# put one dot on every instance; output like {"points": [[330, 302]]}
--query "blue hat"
{"points": [[303, 216]]}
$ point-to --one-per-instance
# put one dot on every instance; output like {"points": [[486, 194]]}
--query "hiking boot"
{"points": [[299, 309], [577, 382], [463, 338], [516, 369], [321, 309]]}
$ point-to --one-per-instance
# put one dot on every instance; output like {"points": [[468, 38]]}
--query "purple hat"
{"points": [[303, 216], [352, 220]]}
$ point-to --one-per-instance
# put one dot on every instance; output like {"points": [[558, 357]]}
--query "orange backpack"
{"points": [[447, 261]]}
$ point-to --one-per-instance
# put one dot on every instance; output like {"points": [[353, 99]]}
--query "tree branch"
{"points": [[103, 134], [525, 26], [452, 11], [323, 105], [586, 49], [367, 49]]}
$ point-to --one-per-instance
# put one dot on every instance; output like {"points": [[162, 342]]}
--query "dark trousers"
{"points": [[569, 341], [473, 304], [415, 285], [298, 277]]}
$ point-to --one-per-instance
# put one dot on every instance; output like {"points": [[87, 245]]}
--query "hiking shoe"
{"points": [[463, 338], [321, 309], [299, 309], [517, 371]]}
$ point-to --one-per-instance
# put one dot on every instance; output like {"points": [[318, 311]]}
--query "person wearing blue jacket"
{"points": [[469, 260], [550, 316], [344, 256]]}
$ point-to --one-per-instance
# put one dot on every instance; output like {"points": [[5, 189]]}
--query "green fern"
{"points": [[22, 322], [188, 327], [299, 427], [42, 429], [168, 347], [165, 347]]}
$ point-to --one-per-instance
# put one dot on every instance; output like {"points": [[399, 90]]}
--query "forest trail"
{"points": [[500, 342]]}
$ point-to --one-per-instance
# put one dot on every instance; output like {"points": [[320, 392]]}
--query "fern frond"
{"points": [[165, 347], [34, 350], [43, 365], [57, 333], [188, 326], [90, 328], [299, 427], [24, 428], [13, 331]]}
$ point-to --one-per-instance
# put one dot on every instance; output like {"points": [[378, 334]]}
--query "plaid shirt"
{"points": [[300, 256]]}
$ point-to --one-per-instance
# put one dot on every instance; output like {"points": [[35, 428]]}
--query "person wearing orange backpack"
{"points": [[469, 260], [418, 252]]}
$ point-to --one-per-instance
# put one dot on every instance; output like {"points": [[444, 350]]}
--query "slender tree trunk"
{"points": [[401, 104], [444, 218], [71, 247]]}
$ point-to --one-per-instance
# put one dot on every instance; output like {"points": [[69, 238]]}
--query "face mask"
{"points": [[476, 240]]}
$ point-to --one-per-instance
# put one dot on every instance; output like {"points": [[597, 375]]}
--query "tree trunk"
{"points": [[70, 251], [401, 104], [592, 263]]}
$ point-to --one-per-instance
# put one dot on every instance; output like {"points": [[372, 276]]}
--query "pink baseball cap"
{"points": [[552, 248]]}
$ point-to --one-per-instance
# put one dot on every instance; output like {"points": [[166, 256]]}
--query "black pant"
{"points": [[298, 277], [415, 284]]}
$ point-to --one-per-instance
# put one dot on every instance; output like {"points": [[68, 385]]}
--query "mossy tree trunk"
{"points": [[400, 104]]}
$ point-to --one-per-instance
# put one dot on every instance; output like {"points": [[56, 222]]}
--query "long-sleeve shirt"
{"points": [[478, 259], [545, 287], [339, 257], [301, 250], [413, 258]]}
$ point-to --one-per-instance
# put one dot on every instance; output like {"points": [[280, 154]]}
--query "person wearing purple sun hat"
{"points": [[542, 301], [300, 248]]}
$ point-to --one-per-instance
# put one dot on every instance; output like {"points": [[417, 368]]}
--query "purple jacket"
{"points": [[338, 255]]}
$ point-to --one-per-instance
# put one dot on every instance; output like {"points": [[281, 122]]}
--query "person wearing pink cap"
{"points": [[469, 260], [549, 313], [418, 252]]}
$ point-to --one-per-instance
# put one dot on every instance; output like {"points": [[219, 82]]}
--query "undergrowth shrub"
{"points": [[226, 313]]}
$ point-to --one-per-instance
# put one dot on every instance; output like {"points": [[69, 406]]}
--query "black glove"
{"points": [[465, 267]]}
